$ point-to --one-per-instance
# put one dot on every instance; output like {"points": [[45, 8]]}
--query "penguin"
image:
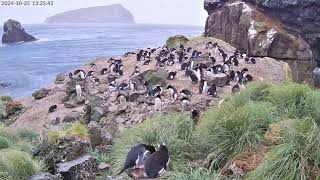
{"points": [[235, 89], [149, 88], [218, 69], [136, 71], [95, 80], [70, 76], [235, 62], [173, 93], [185, 102], [172, 75], [199, 73], [132, 86], [78, 90], [157, 90], [189, 49], [147, 62], [203, 87], [82, 74], [232, 75], [185, 66], [194, 78], [186, 93], [253, 61], [209, 45], [136, 155], [92, 65], [195, 116], [157, 103], [247, 60], [104, 71], [52, 108], [170, 62], [188, 73], [157, 163], [90, 74], [212, 91]]}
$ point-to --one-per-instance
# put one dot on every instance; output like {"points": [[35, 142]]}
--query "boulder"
{"points": [[283, 30], [14, 32], [60, 78], [83, 167], [175, 41], [46, 176], [40, 94], [8, 107], [94, 133], [316, 77], [106, 136], [217, 79], [72, 116], [65, 149]]}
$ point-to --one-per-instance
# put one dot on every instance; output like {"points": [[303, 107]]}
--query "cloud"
{"points": [[188, 12]]}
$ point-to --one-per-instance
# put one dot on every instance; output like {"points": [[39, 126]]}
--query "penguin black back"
{"points": [[134, 154], [157, 163]]}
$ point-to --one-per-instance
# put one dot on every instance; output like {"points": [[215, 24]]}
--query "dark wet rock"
{"points": [[46, 176], [55, 121], [60, 78], [106, 136], [287, 30], [40, 94], [83, 167], [94, 133], [74, 101], [4, 84], [72, 117], [14, 32], [65, 149]]}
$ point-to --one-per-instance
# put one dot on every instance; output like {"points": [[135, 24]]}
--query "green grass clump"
{"points": [[231, 130], [15, 165], [4, 143], [78, 129], [174, 41], [175, 130], [296, 157], [28, 135], [75, 129], [6, 98]]}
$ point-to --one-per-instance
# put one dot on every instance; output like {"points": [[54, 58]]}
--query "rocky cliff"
{"points": [[287, 30], [102, 14], [14, 32]]}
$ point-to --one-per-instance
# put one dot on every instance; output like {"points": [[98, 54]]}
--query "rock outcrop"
{"points": [[287, 30], [102, 14], [14, 32]]}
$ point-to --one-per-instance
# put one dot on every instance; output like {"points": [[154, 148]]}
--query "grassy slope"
{"points": [[240, 125]]}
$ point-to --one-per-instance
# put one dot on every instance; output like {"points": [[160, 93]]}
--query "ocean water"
{"points": [[26, 67]]}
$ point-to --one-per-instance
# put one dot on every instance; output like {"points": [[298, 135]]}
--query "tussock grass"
{"points": [[175, 130], [15, 165], [28, 135], [296, 157], [193, 173], [232, 130], [4, 143]]}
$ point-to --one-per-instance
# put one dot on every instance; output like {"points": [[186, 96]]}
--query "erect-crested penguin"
{"points": [[203, 87], [172, 75], [157, 163], [173, 93], [52, 108], [136, 155]]}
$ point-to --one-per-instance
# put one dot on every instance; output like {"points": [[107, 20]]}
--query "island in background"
{"points": [[115, 13]]}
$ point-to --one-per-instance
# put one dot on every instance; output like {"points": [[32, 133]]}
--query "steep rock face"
{"points": [[286, 30], [14, 32], [101, 14]]}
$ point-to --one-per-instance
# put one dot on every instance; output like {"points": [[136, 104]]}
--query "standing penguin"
{"points": [[78, 90], [171, 75], [212, 91], [157, 103], [157, 163], [173, 93], [52, 108], [195, 116], [136, 155], [149, 88], [203, 86]]}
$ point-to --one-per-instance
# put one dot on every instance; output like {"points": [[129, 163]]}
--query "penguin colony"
{"points": [[162, 57], [190, 66]]}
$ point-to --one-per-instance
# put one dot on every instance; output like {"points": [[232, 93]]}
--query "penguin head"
{"points": [[150, 148], [162, 147]]}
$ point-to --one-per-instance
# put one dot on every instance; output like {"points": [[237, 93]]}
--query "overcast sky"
{"points": [[186, 12]]}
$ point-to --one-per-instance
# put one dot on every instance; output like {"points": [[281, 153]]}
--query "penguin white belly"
{"points": [[78, 91]]}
